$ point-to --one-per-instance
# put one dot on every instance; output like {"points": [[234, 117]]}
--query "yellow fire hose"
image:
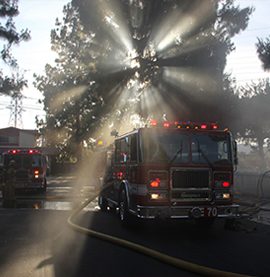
{"points": [[255, 207], [187, 266]]}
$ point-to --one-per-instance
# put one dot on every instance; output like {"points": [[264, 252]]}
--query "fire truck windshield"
{"points": [[172, 147], [209, 148], [23, 160], [163, 147]]}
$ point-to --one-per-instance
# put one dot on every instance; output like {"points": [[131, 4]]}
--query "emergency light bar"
{"points": [[184, 125], [23, 151]]}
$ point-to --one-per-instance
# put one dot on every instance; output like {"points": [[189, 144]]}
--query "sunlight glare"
{"points": [[64, 97], [142, 98], [178, 24], [188, 79], [118, 30]]}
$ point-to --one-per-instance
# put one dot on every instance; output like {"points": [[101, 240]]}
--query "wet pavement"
{"points": [[37, 241], [67, 193], [63, 194], [258, 209], [53, 205]]}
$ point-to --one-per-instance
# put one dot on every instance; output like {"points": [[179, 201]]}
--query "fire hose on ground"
{"points": [[187, 266], [184, 265], [253, 207]]}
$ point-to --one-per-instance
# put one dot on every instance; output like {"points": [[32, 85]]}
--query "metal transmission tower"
{"points": [[16, 110], [17, 83]]}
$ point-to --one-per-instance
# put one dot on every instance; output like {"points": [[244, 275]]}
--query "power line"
{"points": [[32, 108], [259, 29]]}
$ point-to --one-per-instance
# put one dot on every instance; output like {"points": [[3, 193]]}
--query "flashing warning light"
{"points": [[120, 175], [184, 125], [166, 124], [153, 123], [226, 184], [36, 172], [155, 183], [23, 151]]}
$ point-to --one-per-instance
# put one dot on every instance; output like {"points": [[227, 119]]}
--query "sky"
{"points": [[39, 17]]}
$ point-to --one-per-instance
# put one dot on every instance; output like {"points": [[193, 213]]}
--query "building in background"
{"points": [[13, 137]]}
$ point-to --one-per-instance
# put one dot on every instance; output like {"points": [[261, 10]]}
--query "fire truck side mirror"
{"points": [[114, 133], [235, 153]]}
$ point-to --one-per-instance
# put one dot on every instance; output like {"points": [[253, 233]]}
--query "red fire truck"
{"points": [[31, 168], [170, 170]]}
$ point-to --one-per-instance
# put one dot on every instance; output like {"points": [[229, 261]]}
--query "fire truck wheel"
{"points": [[124, 215], [205, 222], [103, 204]]}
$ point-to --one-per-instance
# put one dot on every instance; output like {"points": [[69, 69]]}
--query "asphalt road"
{"points": [[35, 240]]}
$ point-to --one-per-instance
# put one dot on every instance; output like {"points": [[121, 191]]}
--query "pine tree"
{"points": [[8, 33], [263, 51]]}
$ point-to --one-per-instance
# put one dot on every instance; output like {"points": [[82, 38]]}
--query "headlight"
{"points": [[157, 196], [222, 195]]}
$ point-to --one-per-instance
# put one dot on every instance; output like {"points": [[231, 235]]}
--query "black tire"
{"points": [[103, 203], [205, 222], [124, 215]]}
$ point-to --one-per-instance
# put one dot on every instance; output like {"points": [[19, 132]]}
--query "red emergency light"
{"points": [[153, 123], [166, 124], [226, 184], [184, 125], [23, 151], [155, 183]]}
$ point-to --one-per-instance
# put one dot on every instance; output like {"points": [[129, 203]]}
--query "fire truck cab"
{"points": [[171, 170], [31, 168]]}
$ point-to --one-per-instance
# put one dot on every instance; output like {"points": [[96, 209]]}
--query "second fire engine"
{"points": [[31, 168]]}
